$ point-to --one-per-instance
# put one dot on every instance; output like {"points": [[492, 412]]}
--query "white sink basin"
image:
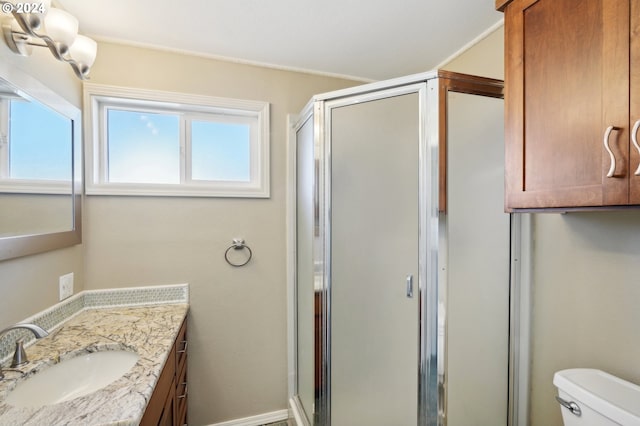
{"points": [[72, 378]]}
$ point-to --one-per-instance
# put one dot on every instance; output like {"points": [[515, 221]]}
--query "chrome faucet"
{"points": [[20, 357]]}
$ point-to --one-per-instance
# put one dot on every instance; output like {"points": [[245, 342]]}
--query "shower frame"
{"points": [[432, 88]]}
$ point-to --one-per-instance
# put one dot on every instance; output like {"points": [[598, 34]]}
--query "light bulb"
{"points": [[61, 26], [83, 50]]}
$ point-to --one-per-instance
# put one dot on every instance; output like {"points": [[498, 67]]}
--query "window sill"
{"points": [[179, 190], [23, 186]]}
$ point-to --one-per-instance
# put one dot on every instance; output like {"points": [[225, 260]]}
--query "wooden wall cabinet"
{"points": [[168, 403], [572, 71]]}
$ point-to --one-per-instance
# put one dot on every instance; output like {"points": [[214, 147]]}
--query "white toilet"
{"points": [[591, 397]]}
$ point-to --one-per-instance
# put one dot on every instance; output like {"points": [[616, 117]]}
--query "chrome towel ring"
{"points": [[238, 244]]}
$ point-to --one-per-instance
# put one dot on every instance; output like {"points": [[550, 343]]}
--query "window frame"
{"points": [[99, 98]]}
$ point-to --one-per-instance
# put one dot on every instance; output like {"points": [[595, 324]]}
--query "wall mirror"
{"points": [[40, 167]]}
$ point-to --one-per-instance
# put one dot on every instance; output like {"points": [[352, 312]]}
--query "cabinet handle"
{"points": [[184, 395], [607, 133], [634, 139], [184, 348]]}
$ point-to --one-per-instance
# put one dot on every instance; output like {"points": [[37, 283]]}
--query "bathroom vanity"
{"points": [[153, 391], [168, 403]]}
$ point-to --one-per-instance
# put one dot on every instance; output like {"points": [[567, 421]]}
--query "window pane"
{"points": [[220, 151], [39, 146], [143, 147]]}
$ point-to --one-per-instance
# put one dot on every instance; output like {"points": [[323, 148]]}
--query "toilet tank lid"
{"points": [[609, 395]]}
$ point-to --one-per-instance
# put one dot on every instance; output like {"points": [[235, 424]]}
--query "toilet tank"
{"points": [[603, 399]]}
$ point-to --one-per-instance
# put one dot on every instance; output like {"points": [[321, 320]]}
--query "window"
{"points": [[35, 149], [157, 143]]}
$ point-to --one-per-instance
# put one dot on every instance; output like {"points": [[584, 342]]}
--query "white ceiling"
{"points": [[367, 39]]}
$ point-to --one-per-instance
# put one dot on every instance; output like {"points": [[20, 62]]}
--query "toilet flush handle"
{"points": [[570, 405]]}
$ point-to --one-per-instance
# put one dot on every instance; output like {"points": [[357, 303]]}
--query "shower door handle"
{"points": [[409, 286]]}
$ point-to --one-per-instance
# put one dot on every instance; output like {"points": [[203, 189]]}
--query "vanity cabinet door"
{"points": [[169, 409], [160, 408], [567, 82]]}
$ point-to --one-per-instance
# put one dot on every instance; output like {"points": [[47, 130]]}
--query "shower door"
{"points": [[373, 156]]}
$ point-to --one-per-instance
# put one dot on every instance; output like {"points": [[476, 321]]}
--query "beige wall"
{"points": [[484, 59], [237, 329], [30, 284], [585, 282], [585, 300], [35, 213]]}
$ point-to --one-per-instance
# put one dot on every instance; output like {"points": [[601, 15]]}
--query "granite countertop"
{"points": [[148, 330]]}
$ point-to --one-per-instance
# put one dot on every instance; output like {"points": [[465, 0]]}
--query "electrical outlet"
{"points": [[66, 286]]}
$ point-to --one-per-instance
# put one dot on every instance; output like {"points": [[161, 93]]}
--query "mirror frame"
{"points": [[28, 244]]}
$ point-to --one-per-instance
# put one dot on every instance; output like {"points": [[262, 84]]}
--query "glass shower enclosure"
{"points": [[401, 255]]}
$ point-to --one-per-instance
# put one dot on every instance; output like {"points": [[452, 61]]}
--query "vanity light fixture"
{"points": [[39, 24]]}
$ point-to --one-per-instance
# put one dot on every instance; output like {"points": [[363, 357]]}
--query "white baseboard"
{"points": [[298, 418], [260, 419]]}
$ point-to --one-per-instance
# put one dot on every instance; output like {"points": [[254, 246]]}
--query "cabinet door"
{"points": [[634, 180], [168, 411], [567, 81]]}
